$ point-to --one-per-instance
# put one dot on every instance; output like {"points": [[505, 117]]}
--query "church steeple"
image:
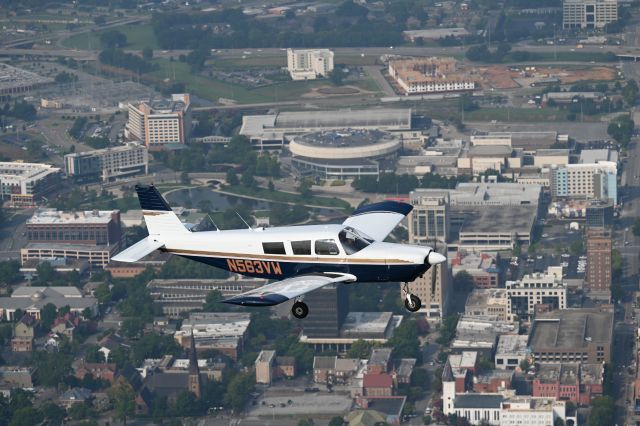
{"points": [[195, 384]]}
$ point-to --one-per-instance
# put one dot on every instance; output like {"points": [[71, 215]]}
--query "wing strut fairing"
{"points": [[281, 291]]}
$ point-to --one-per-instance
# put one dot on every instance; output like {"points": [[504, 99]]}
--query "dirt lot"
{"points": [[501, 77]]}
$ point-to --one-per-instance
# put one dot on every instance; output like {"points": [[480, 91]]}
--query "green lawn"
{"points": [[139, 36], [212, 89], [286, 197]]}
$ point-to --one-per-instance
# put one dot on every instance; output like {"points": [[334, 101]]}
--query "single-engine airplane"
{"points": [[301, 258]]}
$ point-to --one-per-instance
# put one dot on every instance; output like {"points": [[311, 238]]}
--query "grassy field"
{"points": [[213, 89], [286, 197], [138, 37]]}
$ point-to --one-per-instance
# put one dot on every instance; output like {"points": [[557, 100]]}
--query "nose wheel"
{"points": [[411, 301], [300, 310]]}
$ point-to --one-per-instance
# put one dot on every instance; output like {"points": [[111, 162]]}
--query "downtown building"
{"points": [[24, 184], [91, 236], [309, 64], [160, 124], [587, 181], [588, 14], [534, 291], [109, 164]]}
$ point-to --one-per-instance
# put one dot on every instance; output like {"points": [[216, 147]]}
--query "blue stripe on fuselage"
{"points": [[278, 270]]}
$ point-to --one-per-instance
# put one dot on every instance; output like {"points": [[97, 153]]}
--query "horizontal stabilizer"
{"points": [[138, 250]]}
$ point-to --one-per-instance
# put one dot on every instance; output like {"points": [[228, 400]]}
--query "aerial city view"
{"points": [[319, 212]]}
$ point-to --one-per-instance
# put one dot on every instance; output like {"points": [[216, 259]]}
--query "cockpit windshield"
{"points": [[352, 241]]}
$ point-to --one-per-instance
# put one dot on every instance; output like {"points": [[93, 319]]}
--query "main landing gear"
{"points": [[411, 301], [300, 309]]}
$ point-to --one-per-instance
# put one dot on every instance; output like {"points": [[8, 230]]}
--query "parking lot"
{"points": [[317, 403]]}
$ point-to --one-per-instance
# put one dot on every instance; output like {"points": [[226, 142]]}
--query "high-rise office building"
{"points": [[429, 219], [330, 308], [599, 245], [309, 64], [588, 14], [600, 215], [159, 124]]}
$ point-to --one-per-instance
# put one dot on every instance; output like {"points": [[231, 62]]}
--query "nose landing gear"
{"points": [[411, 301]]}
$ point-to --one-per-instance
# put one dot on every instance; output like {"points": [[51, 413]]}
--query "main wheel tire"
{"points": [[414, 305], [300, 310]]}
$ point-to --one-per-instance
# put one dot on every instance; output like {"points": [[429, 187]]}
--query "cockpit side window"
{"points": [[326, 247], [274, 248], [301, 247], [351, 241]]}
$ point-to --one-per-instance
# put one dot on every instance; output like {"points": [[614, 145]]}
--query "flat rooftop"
{"points": [[512, 344], [18, 170], [591, 156], [344, 138], [502, 219], [571, 328], [57, 217], [305, 121], [357, 323]]}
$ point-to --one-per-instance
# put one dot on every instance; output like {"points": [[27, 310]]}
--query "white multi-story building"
{"points": [[537, 289], [160, 123], [527, 410], [23, 183], [429, 75], [588, 181], [108, 164], [309, 64], [588, 14]]}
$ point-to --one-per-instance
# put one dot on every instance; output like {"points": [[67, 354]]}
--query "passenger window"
{"points": [[324, 247], [301, 247], [273, 248]]}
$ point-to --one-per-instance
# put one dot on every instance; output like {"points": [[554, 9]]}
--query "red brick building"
{"points": [[97, 371], [377, 384], [578, 383]]}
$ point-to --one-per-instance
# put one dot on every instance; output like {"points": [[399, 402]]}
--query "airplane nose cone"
{"points": [[435, 258]]}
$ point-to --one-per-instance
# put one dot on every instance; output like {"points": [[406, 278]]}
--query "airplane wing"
{"points": [[138, 250], [281, 291], [377, 220]]}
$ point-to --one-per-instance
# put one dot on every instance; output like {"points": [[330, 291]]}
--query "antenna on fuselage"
{"points": [[214, 224], [242, 219]]}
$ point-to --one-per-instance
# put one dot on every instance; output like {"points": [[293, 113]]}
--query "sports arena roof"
{"points": [[313, 121]]}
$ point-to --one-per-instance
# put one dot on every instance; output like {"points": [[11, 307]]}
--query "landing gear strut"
{"points": [[411, 301], [300, 309]]}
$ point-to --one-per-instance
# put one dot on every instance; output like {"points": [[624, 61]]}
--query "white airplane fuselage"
{"points": [[283, 252]]}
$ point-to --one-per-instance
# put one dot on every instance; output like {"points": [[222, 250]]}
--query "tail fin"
{"points": [[158, 216]]}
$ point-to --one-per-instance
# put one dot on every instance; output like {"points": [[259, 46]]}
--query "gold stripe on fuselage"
{"points": [[310, 259]]}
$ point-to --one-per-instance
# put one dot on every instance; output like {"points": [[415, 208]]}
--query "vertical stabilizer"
{"points": [[158, 216]]}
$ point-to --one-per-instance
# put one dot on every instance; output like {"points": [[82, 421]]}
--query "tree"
{"points": [[53, 412], [350, 9], [122, 397], [187, 405], [576, 247], [336, 76], [305, 188], [78, 411], [558, 422], [447, 330], [524, 365], [306, 422], [132, 327], [405, 342], [27, 416], [46, 273], [630, 92], [238, 390], [602, 412], [232, 178], [463, 282], [48, 314], [621, 129], [113, 38], [247, 178], [147, 53], [336, 421], [213, 302], [360, 349]]}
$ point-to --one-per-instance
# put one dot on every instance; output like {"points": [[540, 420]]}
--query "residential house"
{"points": [[377, 384], [23, 334]]}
